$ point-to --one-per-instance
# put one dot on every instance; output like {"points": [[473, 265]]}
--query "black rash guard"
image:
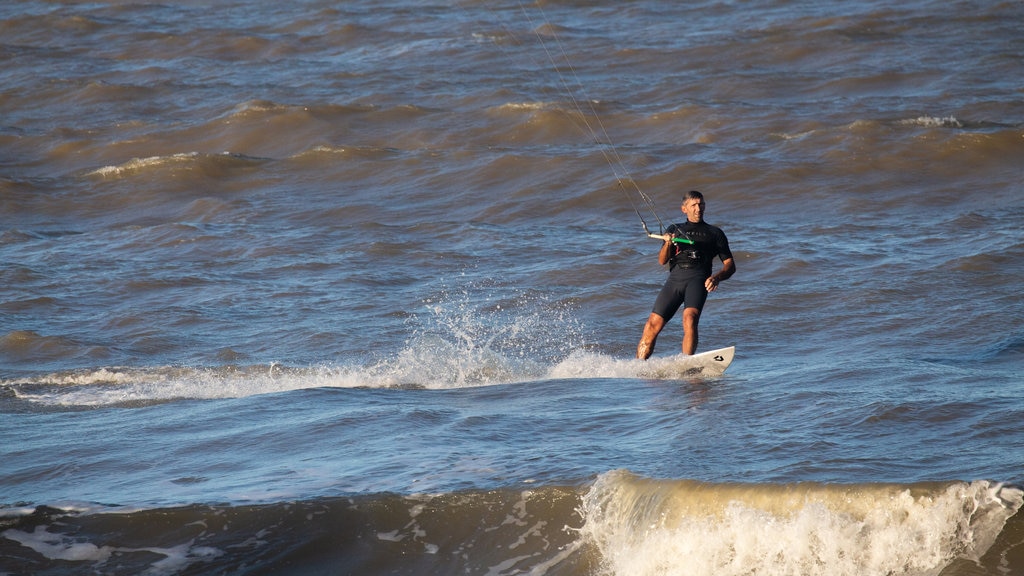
{"points": [[708, 241], [689, 266]]}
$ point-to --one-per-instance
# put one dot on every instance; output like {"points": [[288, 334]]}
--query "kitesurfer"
{"points": [[689, 250]]}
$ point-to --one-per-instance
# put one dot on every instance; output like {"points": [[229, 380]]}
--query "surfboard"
{"points": [[710, 363]]}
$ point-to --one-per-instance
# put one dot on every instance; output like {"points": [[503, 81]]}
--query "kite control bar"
{"points": [[677, 240]]}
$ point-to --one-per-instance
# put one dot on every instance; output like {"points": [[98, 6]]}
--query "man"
{"points": [[690, 249]]}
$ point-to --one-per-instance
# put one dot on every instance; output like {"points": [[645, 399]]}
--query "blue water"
{"points": [[310, 288]]}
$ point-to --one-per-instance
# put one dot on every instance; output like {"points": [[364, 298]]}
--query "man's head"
{"points": [[693, 206]]}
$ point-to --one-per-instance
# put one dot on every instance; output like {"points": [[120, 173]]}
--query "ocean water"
{"points": [[318, 288]]}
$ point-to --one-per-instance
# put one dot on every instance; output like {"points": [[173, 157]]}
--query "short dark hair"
{"points": [[692, 194]]}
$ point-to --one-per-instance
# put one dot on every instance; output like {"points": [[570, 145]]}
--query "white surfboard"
{"points": [[710, 363]]}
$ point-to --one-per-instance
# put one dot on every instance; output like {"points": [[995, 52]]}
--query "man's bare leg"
{"points": [[651, 330], [691, 316]]}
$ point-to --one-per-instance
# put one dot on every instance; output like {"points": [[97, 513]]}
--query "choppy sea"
{"points": [[317, 287]]}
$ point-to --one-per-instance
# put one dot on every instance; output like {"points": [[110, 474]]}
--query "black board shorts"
{"points": [[677, 290]]}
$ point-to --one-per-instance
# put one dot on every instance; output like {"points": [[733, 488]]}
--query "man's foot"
{"points": [[644, 350]]}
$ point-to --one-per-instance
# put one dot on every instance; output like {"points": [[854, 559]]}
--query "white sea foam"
{"points": [[55, 546], [933, 122], [647, 527], [58, 547], [137, 164]]}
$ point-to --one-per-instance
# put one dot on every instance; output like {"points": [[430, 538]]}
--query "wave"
{"points": [[932, 122], [29, 344], [620, 524], [186, 161], [645, 526], [136, 165]]}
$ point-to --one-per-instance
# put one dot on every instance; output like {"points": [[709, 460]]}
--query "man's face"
{"points": [[694, 209]]}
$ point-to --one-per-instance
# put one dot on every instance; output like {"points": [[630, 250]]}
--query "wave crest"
{"points": [[644, 526]]}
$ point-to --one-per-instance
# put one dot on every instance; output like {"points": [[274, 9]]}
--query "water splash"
{"points": [[466, 338]]}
